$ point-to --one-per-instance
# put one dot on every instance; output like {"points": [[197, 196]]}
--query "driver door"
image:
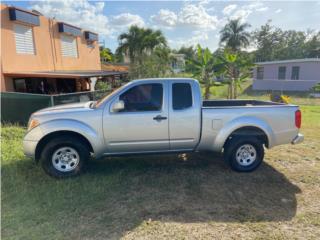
{"points": [[142, 126]]}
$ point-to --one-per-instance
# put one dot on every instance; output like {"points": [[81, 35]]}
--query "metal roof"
{"points": [[65, 74], [290, 61]]}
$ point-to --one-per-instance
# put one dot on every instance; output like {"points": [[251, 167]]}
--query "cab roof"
{"points": [[165, 79]]}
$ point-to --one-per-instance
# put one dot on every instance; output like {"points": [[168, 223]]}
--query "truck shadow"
{"points": [[118, 194], [198, 188]]}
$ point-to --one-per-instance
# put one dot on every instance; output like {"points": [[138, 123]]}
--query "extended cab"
{"points": [[158, 116]]}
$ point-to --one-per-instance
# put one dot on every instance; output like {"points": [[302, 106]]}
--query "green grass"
{"points": [[193, 196]]}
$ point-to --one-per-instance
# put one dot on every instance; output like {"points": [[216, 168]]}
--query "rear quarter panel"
{"points": [[278, 122]]}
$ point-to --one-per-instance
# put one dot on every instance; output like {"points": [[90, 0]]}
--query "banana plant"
{"points": [[203, 68], [235, 69]]}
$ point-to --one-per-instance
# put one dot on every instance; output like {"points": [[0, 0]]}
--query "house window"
{"points": [[24, 39], [282, 73], [295, 73], [260, 71], [69, 46]]}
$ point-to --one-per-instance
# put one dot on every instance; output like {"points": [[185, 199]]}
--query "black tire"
{"points": [[68, 142], [236, 144]]}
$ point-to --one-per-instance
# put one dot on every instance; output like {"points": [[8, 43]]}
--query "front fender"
{"points": [[74, 126], [237, 123]]}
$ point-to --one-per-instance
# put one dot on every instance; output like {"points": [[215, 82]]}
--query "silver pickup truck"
{"points": [[158, 116]]}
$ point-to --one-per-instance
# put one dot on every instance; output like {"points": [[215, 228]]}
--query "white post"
{"points": [[93, 81]]}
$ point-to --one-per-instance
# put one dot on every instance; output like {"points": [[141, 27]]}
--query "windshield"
{"points": [[105, 98]]}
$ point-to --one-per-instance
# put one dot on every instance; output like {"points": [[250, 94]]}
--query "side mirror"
{"points": [[118, 106]]}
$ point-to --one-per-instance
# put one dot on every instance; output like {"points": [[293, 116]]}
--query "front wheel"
{"points": [[244, 154], [64, 157]]}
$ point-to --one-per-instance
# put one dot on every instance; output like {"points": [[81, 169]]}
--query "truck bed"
{"points": [[237, 103]]}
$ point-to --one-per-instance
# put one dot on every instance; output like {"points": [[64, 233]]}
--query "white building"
{"points": [[287, 75]]}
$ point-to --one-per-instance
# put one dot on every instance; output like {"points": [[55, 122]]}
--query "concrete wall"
{"points": [[47, 50], [7, 84], [309, 76]]}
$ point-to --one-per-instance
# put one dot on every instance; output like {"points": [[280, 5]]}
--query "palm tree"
{"points": [[202, 67], [234, 35], [152, 39], [138, 41], [130, 42]]}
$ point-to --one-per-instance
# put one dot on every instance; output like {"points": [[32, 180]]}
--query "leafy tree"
{"points": [[155, 65], [203, 68], [106, 54], [316, 88], [267, 40], [234, 35], [275, 44], [293, 45], [102, 86], [190, 53], [312, 46]]}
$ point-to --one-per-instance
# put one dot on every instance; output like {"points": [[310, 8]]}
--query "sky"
{"points": [[184, 23]]}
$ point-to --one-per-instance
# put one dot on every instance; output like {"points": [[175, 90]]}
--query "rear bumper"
{"points": [[298, 139]]}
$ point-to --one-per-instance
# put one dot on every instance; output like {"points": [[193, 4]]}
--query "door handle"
{"points": [[159, 118]]}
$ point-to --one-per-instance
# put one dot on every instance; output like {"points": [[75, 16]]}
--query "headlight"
{"points": [[32, 124]]}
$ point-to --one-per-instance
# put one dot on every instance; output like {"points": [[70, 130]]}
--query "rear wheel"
{"points": [[64, 156], [244, 154]]}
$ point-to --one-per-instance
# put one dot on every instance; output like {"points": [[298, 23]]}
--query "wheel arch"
{"points": [[47, 138], [249, 125], [251, 131]]}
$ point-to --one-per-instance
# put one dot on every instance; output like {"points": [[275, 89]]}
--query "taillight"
{"points": [[298, 118]]}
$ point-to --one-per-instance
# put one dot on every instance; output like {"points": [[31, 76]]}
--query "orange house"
{"points": [[42, 55]]}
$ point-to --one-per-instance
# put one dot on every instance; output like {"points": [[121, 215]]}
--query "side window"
{"points": [[145, 97], [181, 96]]}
